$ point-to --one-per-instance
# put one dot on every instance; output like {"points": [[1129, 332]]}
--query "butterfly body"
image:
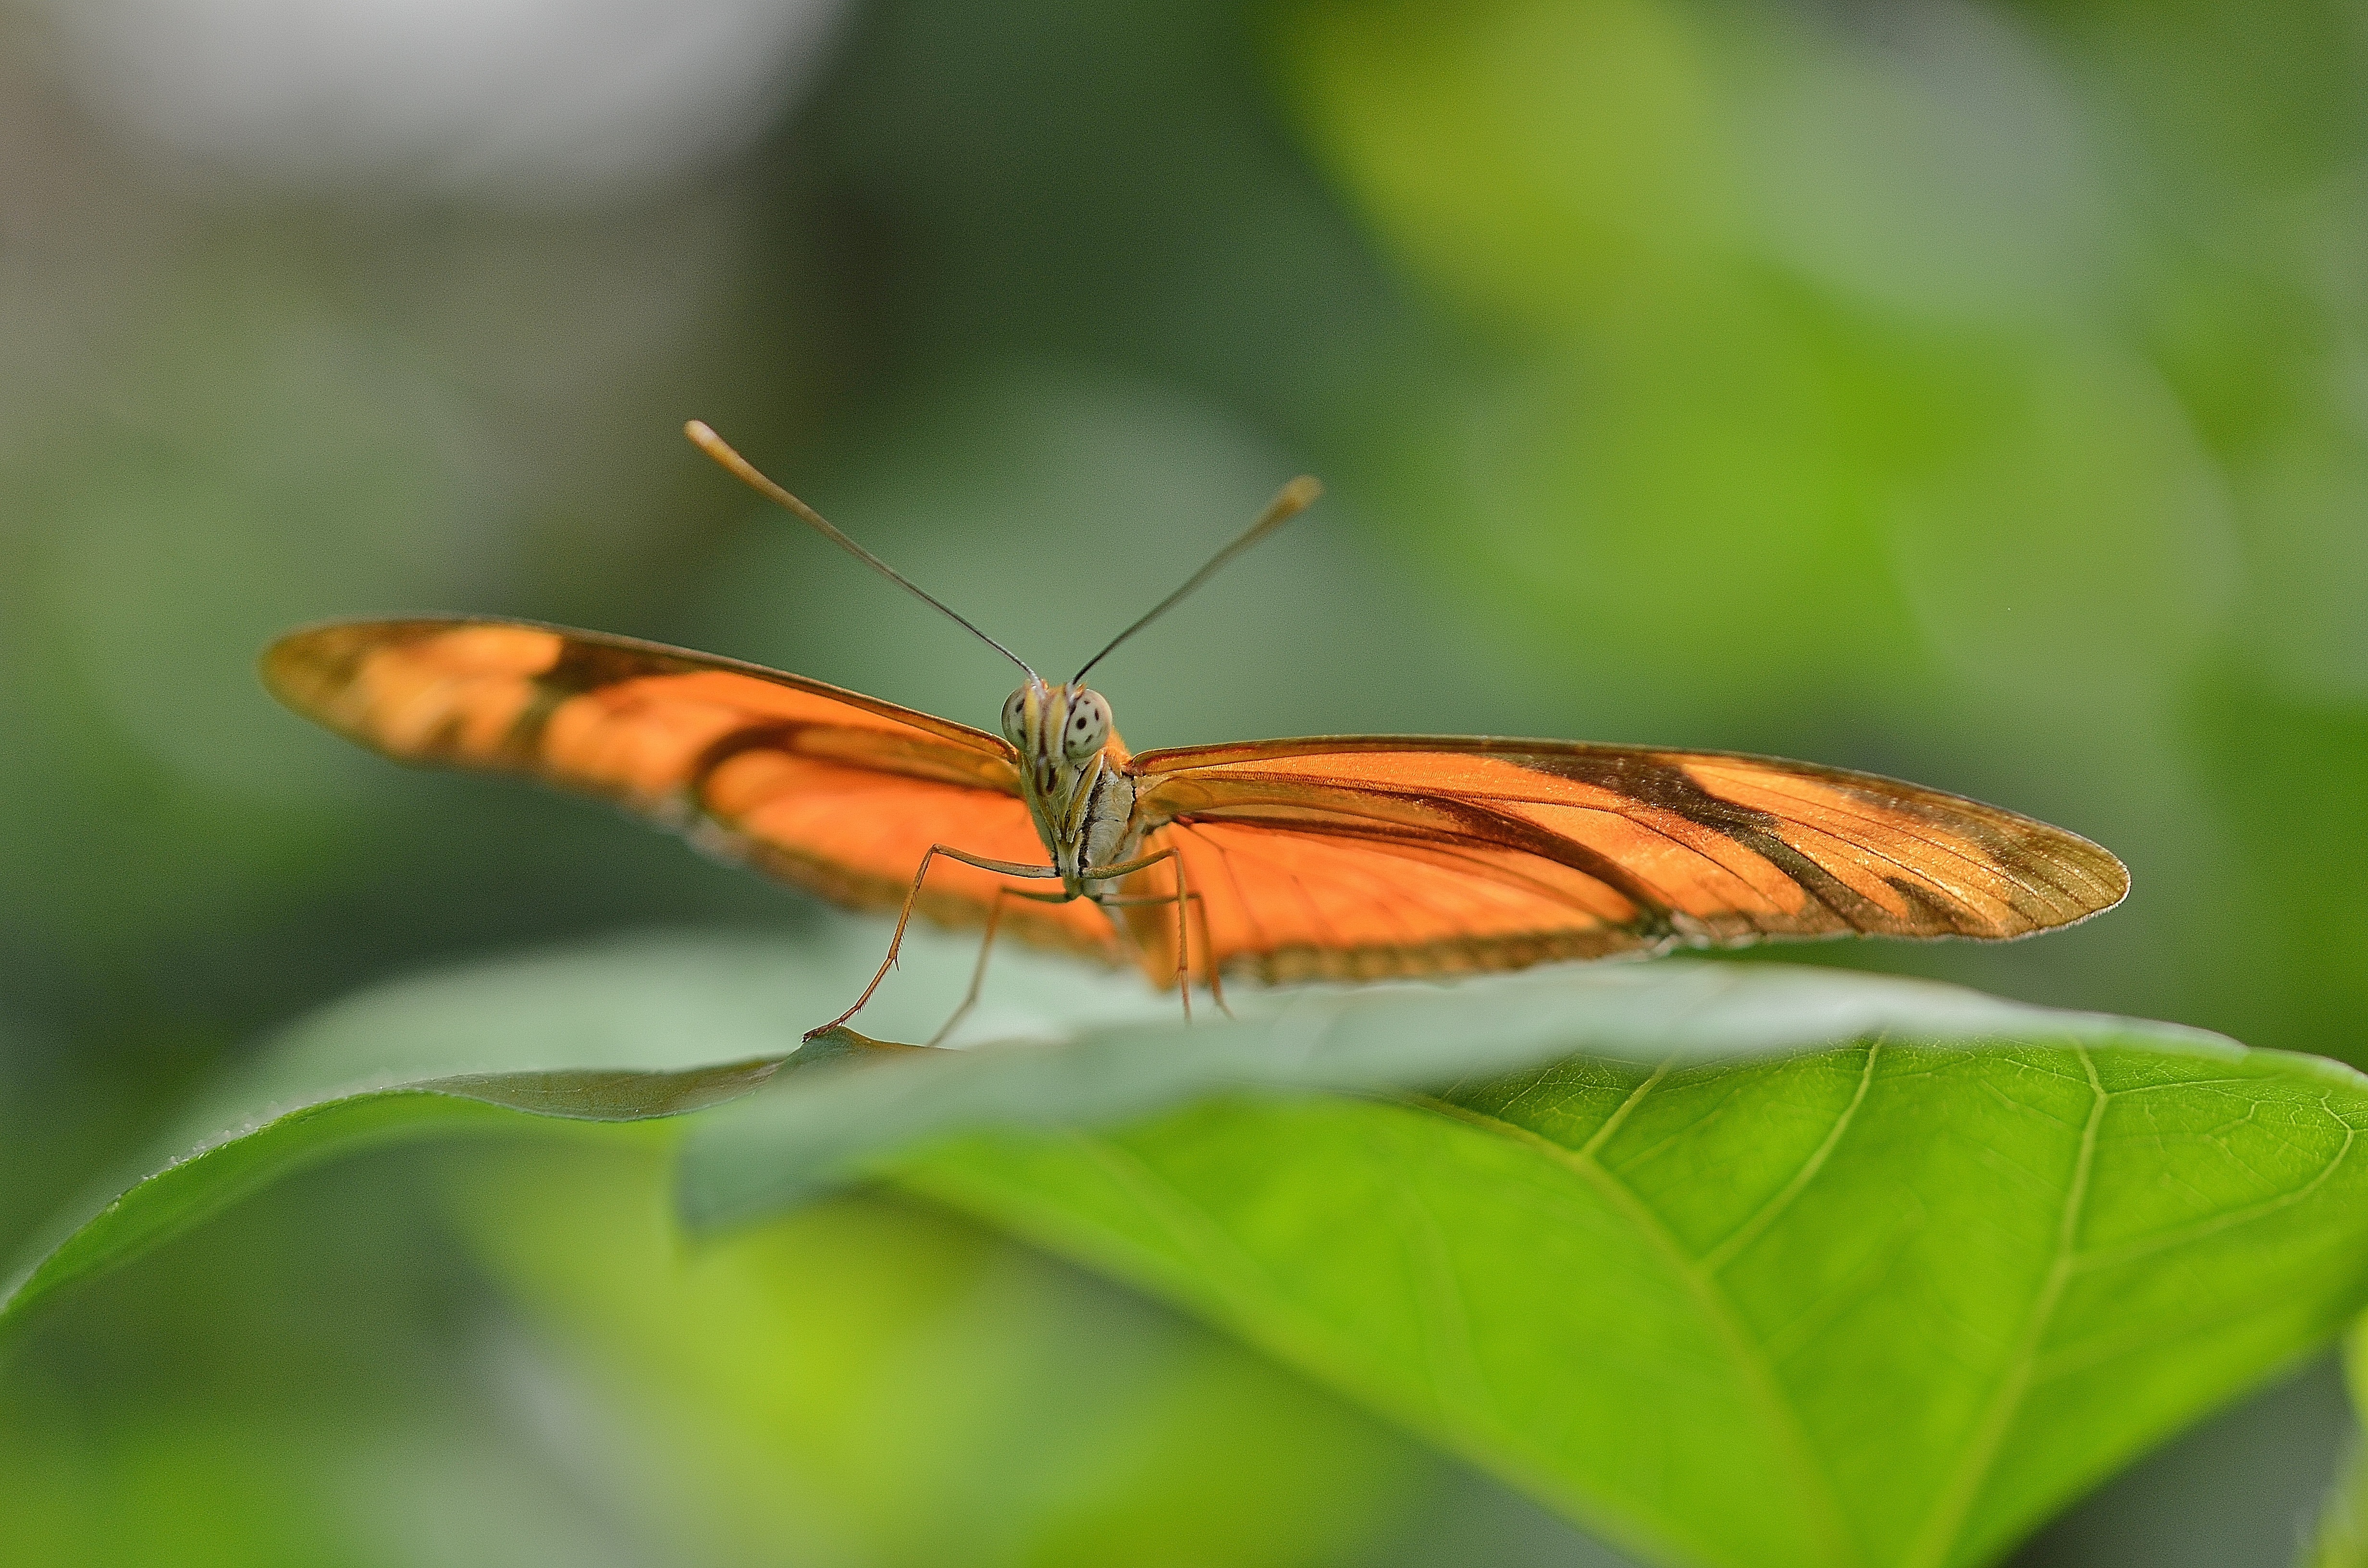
{"points": [[1074, 777]]}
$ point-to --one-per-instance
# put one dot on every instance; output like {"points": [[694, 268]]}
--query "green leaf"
{"points": [[1891, 1300], [618, 1032], [1740, 1264]]}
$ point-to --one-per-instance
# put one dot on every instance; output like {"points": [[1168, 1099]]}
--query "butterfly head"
{"points": [[1059, 731]]}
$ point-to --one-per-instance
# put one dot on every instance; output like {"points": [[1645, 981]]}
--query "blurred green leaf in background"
{"points": [[1965, 391]]}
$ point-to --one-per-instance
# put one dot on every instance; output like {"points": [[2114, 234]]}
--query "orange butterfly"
{"points": [[1338, 858]]}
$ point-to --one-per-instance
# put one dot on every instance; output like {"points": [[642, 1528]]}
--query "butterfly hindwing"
{"points": [[1355, 857], [838, 792]]}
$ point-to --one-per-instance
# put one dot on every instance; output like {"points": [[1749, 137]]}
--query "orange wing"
{"points": [[839, 793], [1353, 857]]}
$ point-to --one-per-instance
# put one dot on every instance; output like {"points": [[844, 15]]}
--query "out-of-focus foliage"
{"points": [[2341, 1539], [872, 1383], [1967, 391]]}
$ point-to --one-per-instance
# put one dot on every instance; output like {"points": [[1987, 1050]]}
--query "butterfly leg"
{"points": [[986, 946], [905, 917], [1216, 976], [1209, 955], [1181, 898]]}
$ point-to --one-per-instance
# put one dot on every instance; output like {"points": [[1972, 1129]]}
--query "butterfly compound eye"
{"points": [[1088, 726], [1015, 718]]}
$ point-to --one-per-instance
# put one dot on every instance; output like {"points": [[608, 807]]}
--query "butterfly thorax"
{"points": [[1074, 777]]}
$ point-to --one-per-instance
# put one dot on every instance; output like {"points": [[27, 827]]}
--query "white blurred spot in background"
{"points": [[522, 101]]}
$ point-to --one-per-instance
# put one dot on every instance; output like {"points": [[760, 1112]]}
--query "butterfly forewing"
{"points": [[1354, 857], [838, 792], [1338, 858]]}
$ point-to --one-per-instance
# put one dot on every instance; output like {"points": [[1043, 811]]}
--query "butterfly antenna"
{"points": [[715, 446], [1288, 502]]}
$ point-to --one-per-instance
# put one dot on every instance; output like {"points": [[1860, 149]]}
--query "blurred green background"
{"points": [[1971, 392]]}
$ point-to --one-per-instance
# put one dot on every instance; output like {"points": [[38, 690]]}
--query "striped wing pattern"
{"points": [[836, 792], [1338, 858], [1355, 857]]}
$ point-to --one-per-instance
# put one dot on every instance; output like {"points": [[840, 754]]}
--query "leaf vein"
{"points": [[1759, 1375], [1743, 1235]]}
